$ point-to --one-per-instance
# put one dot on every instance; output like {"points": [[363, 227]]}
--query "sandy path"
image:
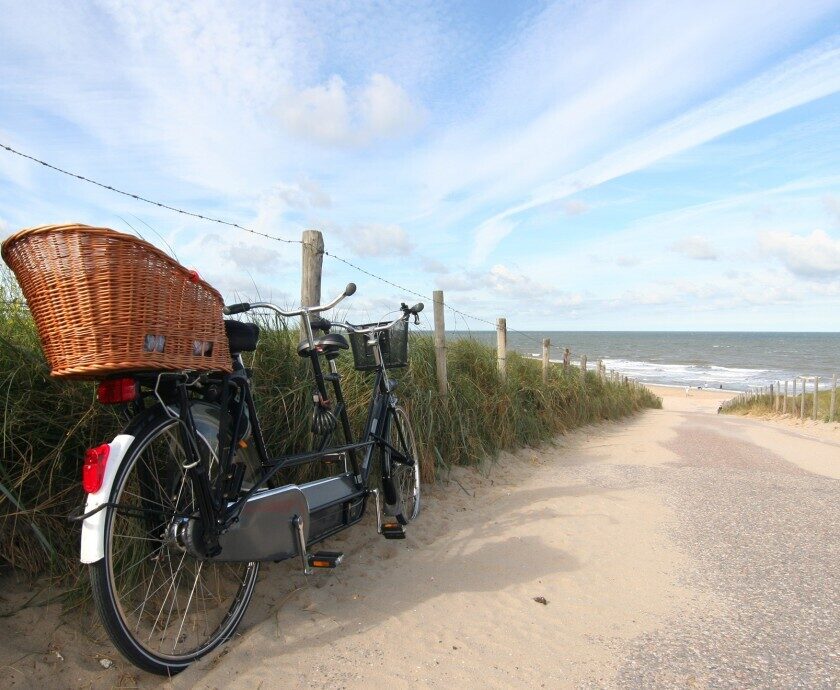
{"points": [[679, 547]]}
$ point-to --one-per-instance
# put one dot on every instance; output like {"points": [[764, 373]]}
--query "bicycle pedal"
{"points": [[393, 530], [324, 560]]}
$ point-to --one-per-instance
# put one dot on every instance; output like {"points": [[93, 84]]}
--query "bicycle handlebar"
{"points": [[245, 306]]}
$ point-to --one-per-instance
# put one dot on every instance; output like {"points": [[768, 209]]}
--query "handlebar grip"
{"points": [[236, 308], [350, 289], [417, 308]]}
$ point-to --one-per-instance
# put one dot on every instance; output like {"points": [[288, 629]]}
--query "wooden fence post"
{"points": [[501, 346], [440, 342], [546, 344], [312, 250], [833, 404], [802, 404], [567, 360], [583, 369], [816, 396], [784, 400], [601, 373]]}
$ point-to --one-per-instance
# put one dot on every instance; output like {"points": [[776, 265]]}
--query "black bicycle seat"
{"points": [[328, 344]]}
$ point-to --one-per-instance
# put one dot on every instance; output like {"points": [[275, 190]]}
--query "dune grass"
{"points": [[47, 424]]}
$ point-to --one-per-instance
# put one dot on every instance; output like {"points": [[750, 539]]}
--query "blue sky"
{"points": [[571, 165]]}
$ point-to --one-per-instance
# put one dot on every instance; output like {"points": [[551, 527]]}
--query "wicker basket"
{"points": [[105, 302]]}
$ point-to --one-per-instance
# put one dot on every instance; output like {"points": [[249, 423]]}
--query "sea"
{"points": [[731, 361]]}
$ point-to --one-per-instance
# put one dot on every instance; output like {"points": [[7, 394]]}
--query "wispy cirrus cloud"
{"points": [[809, 75]]}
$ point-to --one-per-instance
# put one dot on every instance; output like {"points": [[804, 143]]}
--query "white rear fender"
{"points": [[93, 528]]}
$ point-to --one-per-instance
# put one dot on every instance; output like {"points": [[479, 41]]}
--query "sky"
{"points": [[647, 165]]}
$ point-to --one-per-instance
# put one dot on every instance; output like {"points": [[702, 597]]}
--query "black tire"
{"points": [[402, 486], [145, 578]]}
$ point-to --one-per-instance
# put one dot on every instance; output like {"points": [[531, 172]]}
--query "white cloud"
{"points": [[832, 206], [251, 257], [431, 265], [377, 239], [303, 194], [695, 247], [331, 114], [627, 261], [810, 256], [575, 207]]}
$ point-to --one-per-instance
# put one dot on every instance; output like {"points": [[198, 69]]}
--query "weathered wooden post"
{"points": [[440, 342], [546, 345], [833, 405], [583, 369], [784, 400], [601, 372], [816, 396], [771, 393], [567, 360], [802, 404], [501, 346], [312, 250], [793, 397]]}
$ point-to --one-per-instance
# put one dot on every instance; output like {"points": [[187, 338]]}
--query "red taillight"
{"points": [[93, 470], [115, 391]]}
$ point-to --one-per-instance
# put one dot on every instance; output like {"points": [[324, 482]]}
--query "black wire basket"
{"points": [[393, 343]]}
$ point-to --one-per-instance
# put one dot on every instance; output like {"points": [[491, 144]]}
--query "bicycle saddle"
{"points": [[242, 337], [328, 344]]}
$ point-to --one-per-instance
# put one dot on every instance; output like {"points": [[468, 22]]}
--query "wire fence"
{"points": [[221, 221]]}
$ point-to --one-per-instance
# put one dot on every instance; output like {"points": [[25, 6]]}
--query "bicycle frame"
{"points": [[333, 503], [232, 524]]}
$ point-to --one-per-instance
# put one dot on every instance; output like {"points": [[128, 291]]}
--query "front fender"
{"points": [[93, 528]]}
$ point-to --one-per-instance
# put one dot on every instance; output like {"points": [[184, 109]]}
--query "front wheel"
{"points": [[161, 607], [403, 468]]}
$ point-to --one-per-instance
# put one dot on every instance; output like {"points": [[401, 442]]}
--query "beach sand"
{"points": [[595, 524]]}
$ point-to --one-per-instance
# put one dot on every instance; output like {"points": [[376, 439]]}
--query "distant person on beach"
{"points": [[687, 388]]}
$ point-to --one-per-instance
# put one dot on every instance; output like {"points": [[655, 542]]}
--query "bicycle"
{"points": [[184, 505]]}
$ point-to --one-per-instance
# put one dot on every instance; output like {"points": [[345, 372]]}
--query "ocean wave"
{"points": [[692, 374]]}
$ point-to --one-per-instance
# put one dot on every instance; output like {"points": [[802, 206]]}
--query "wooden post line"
{"points": [[816, 396], [833, 404], [440, 342], [501, 346], [802, 405], [546, 346], [312, 249]]}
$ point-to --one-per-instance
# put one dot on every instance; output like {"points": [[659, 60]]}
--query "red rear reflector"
{"points": [[93, 469], [115, 391]]}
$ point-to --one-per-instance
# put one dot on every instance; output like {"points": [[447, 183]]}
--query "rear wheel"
{"points": [[404, 469], [162, 607]]}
